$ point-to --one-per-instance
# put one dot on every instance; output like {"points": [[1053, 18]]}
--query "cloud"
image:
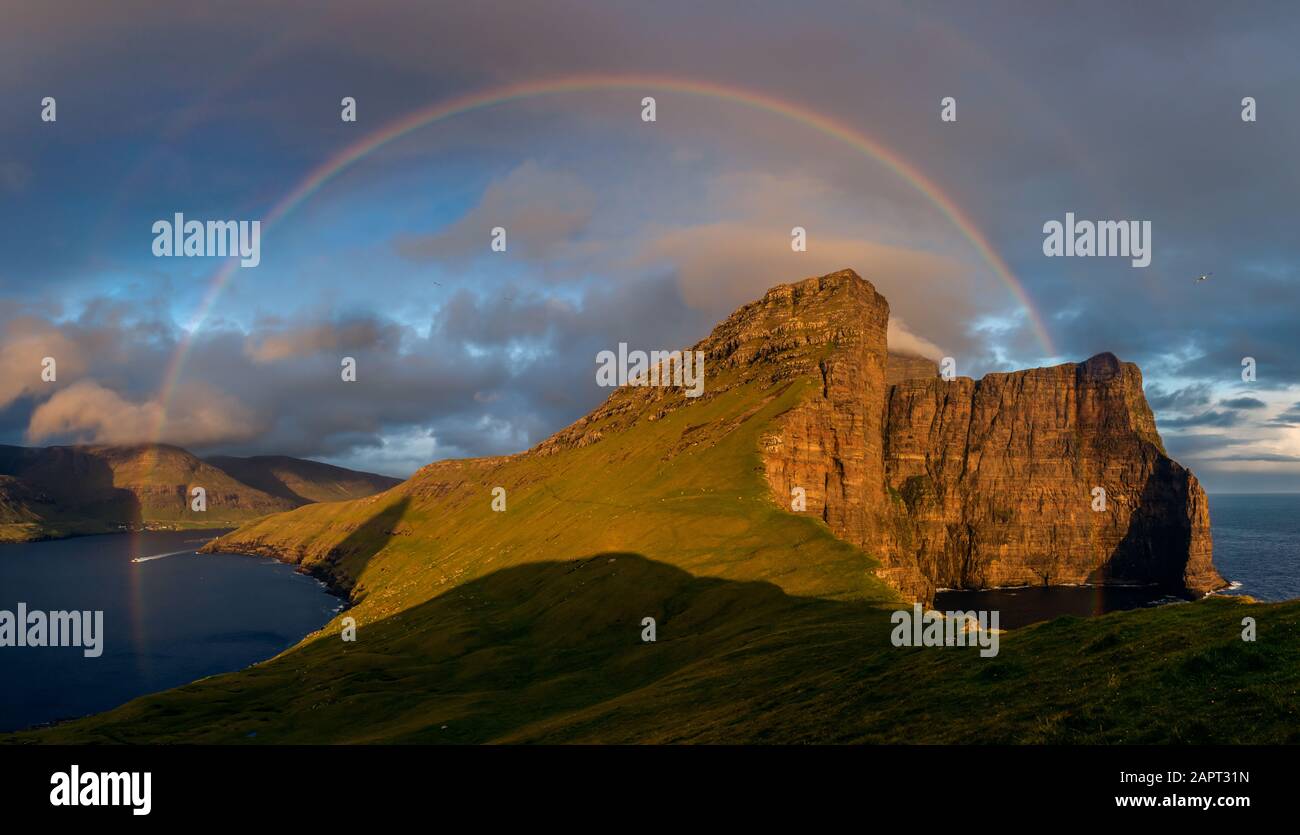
{"points": [[720, 266], [24, 344], [487, 375], [541, 210], [1290, 417], [1269, 457], [279, 342], [86, 412], [1208, 418], [1243, 403], [903, 341], [1178, 400], [1184, 445]]}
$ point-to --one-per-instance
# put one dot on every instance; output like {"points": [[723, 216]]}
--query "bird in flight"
{"points": [[1204, 276]]}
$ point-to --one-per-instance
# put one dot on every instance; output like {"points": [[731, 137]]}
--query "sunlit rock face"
{"points": [[975, 483]]}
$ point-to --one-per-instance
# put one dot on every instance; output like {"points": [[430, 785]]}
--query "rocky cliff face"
{"points": [[999, 482], [972, 484]]}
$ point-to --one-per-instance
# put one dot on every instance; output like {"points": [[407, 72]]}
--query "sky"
{"points": [[769, 115]]}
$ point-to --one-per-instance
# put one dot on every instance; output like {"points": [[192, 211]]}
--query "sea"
{"points": [[171, 616], [1256, 549]]}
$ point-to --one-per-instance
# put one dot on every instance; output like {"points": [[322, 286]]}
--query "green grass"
{"points": [[524, 626]]}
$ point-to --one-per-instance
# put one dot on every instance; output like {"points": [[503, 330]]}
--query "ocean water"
{"points": [[1256, 548], [172, 618], [1257, 543]]}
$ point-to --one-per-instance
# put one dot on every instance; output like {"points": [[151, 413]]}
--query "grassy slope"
{"points": [[525, 625], [302, 481]]}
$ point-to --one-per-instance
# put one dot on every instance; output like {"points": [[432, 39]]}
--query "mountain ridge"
{"points": [[876, 464], [302, 480], [50, 492]]}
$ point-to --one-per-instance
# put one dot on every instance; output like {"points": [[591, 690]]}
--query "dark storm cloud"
{"points": [[1291, 417], [1243, 403], [1182, 446], [1210, 418], [1178, 400], [274, 339]]}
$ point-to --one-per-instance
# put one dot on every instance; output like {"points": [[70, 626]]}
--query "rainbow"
{"points": [[336, 164]]}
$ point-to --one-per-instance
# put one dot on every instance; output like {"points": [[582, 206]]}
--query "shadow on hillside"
{"points": [[1154, 548], [496, 654], [264, 479], [554, 652], [75, 487], [350, 557]]}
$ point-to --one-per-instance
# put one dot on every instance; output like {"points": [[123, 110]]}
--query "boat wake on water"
{"points": [[160, 556]]}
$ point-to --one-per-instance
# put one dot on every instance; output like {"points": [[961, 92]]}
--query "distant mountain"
{"points": [[49, 492], [649, 574], [301, 481]]}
